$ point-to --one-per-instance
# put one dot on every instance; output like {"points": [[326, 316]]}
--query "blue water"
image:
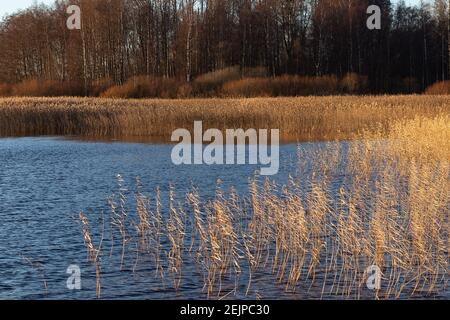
{"points": [[46, 182]]}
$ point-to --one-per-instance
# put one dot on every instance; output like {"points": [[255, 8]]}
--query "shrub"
{"points": [[210, 83], [47, 88], [325, 85], [99, 86], [5, 89], [248, 87], [184, 91], [304, 86], [442, 87], [353, 83], [282, 86], [144, 87], [30, 87], [166, 88]]}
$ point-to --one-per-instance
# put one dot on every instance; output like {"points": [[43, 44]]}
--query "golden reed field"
{"points": [[380, 200], [299, 119]]}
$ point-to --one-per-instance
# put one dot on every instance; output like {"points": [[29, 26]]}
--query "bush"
{"points": [[29, 88], [47, 88], [5, 90], [99, 86], [283, 86], [304, 86], [144, 87], [353, 83], [184, 91], [442, 87], [209, 84], [248, 87]]}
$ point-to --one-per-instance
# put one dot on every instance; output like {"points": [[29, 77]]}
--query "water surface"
{"points": [[46, 182]]}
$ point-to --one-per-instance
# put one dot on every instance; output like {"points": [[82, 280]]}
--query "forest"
{"points": [[184, 44]]}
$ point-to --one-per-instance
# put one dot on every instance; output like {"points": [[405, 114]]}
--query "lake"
{"points": [[45, 182]]}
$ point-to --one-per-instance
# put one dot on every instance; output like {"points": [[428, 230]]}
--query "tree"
{"points": [[120, 39]]}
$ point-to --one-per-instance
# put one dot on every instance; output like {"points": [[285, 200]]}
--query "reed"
{"points": [[119, 217], [143, 228], [92, 251], [299, 119], [381, 201], [175, 228]]}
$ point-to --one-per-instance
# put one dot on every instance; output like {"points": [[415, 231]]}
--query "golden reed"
{"points": [[299, 119], [383, 200]]}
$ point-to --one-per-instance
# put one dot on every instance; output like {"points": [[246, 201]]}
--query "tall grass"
{"points": [[299, 119], [382, 200], [94, 253]]}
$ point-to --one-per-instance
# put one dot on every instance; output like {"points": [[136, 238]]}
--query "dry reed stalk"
{"points": [[175, 228], [157, 232], [318, 208], [258, 224], [143, 228], [296, 225], [198, 229], [93, 252], [119, 217]]}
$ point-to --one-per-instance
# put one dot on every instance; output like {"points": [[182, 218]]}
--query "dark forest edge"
{"points": [[227, 48]]}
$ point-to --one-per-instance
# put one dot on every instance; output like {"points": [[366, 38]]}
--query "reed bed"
{"points": [[382, 200], [299, 119]]}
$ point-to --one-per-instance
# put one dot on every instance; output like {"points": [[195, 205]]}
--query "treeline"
{"points": [[176, 48]]}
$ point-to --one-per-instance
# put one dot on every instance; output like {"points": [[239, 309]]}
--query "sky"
{"points": [[11, 6]]}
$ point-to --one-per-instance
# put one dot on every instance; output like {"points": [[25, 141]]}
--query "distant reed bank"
{"points": [[298, 119]]}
